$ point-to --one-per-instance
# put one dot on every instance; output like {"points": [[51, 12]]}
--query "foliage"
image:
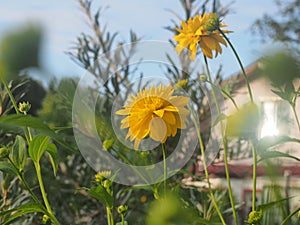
{"points": [[284, 27]]}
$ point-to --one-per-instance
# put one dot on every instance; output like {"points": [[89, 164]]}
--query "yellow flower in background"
{"points": [[154, 112], [202, 30]]}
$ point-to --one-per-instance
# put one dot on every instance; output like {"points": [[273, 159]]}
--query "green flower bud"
{"points": [[100, 176], [45, 219], [4, 151], [255, 217], [203, 78], [107, 184], [24, 107], [107, 144], [212, 23], [122, 209]]}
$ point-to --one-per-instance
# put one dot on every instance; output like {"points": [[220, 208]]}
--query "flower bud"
{"points": [[107, 144], [45, 219], [122, 209], [24, 107], [212, 23], [255, 217], [100, 176], [203, 78]]}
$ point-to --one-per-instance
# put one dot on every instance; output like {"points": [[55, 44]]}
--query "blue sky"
{"points": [[63, 21]]}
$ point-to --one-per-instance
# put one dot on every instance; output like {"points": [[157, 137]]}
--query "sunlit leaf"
{"points": [[37, 147]]}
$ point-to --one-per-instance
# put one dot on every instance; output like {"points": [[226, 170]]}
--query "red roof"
{"points": [[242, 171]]}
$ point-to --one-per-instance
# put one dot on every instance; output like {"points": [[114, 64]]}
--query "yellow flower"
{"points": [[154, 112], [202, 30]]}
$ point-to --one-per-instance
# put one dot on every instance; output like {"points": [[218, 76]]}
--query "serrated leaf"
{"points": [[6, 167], [53, 154], [275, 154], [22, 210], [37, 147], [101, 195], [18, 153], [10, 121]]}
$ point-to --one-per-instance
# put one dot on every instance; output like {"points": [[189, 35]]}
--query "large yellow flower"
{"points": [[154, 112], [202, 30]]}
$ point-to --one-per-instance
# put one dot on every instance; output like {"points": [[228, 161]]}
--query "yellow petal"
{"points": [[206, 50], [123, 112], [136, 144], [171, 108], [159, 112], [169, 117], [158, 129], [179, 101]]}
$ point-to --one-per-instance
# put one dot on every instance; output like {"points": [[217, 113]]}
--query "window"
{"points": [[276, 118]]}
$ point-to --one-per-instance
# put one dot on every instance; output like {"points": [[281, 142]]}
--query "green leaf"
{"points": [[22, 210], [52, 150], [220, 118], [18, 153], [10, 121], [6, 167], [101, 195], [270, 205], [268, 142], [37, 147], [275, 154]]}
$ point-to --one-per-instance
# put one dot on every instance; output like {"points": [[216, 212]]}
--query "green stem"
{"points": [[21, 178], [229, 181], [108, 215], [224, 147], [296, 116], [254, 176], [28, 130], [206, 171], [290, 216], [133, 167], [44, 195], [165, 168], [227, 95], [123, 219], [12, 99], [240, 63]]}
